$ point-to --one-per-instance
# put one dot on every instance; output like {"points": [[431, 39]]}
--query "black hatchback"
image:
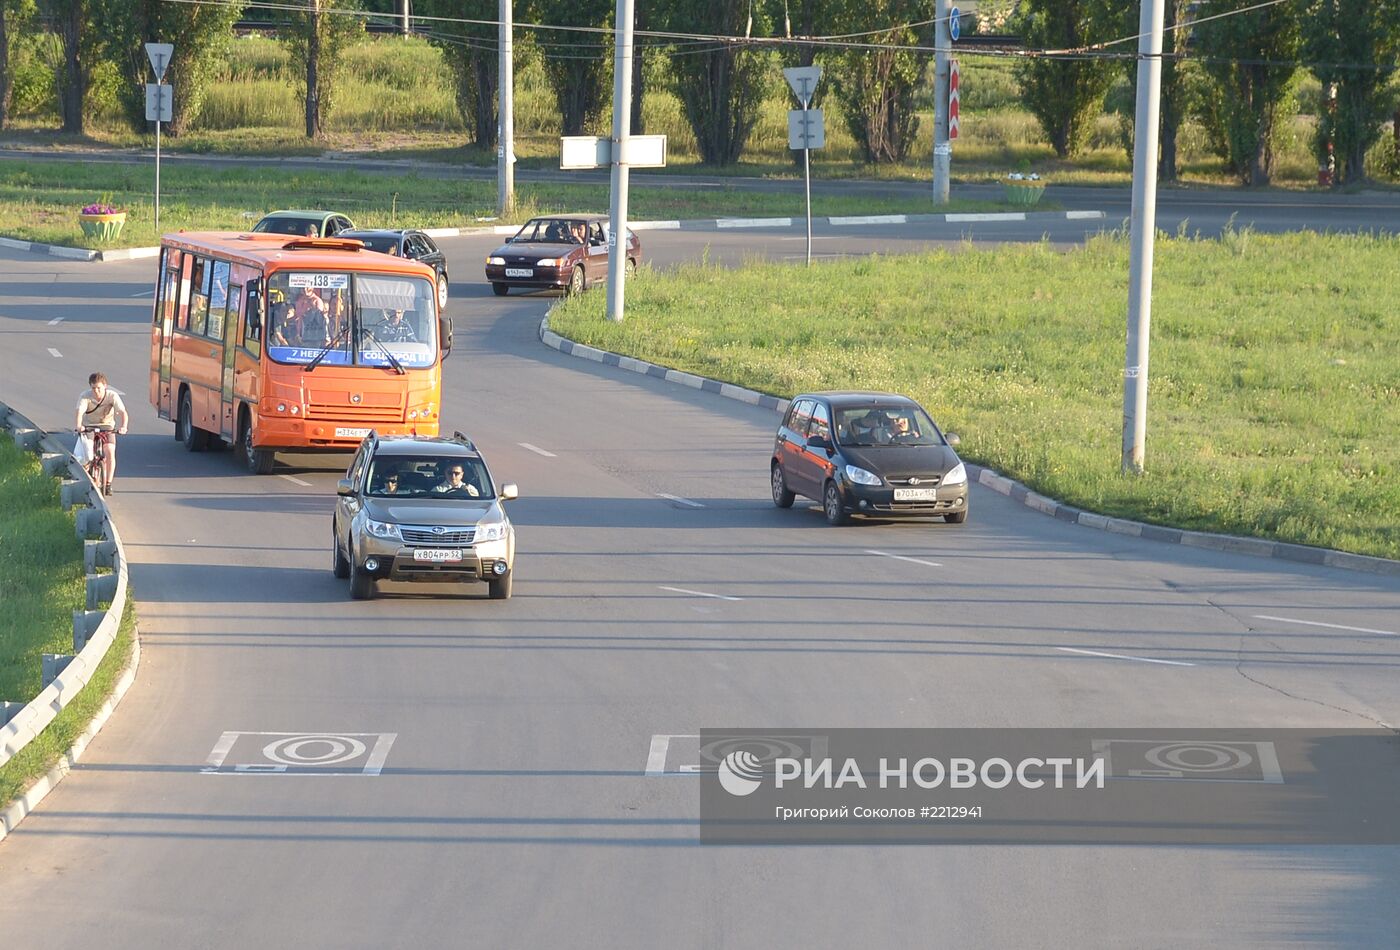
{"points": [[876, 454], [410, 243]]}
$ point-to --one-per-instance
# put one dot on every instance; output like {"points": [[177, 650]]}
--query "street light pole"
{"points": [[942, 151], [1144, 228], [622, 122], [505, 145]]}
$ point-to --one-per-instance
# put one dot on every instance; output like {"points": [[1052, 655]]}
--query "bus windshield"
{"points": [[358, 316]]}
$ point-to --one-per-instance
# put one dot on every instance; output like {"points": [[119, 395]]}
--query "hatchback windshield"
{"points": [[351, 318], [886, 425], [550, 231], [289, 225], [429, 476]]}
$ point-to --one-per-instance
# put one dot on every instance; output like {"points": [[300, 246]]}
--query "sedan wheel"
{"points": [[781, 496], [501, 289], [831, 505], [576, 282]]}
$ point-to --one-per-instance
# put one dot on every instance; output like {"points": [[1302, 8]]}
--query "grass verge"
{"points": [[39, 201], [1274, 401], [41, 584]]}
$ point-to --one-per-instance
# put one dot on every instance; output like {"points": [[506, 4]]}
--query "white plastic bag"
{"points": [[82, 449]]}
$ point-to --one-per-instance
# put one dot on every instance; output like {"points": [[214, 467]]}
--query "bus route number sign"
{"points": [[319, 281]]}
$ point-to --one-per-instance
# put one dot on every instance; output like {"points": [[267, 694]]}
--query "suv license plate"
{"points": [[343, 433], [520, 272], [438, 555], [916, 494]]}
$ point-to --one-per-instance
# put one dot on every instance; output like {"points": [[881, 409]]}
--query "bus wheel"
{"points": [[195, 438], [259, 461]]}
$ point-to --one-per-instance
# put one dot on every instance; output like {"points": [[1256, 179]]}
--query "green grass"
{"points": [[39, 201], [1274, 401], [41, 584]]}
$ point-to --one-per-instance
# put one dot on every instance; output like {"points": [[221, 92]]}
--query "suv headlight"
{"points": [[383, 529], [494, 531], [495, 260], [861, 477], [957, 476]]}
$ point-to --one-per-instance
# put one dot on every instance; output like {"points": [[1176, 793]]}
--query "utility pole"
{"points": [[406, 29], [942, 151], [505, 132], [622, 121], [1144, 229]]}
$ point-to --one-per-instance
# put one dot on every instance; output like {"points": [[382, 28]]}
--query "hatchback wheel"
{"points": [[831, 505], [957, 517], [781, 496], [442, 291]]}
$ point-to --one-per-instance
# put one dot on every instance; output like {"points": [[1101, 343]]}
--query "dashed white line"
{"points": [[679, 500], [900, 557], [1119, 656], [144, 293], [537, 450], [1333, 626], [698, 593], [294, 480], [55, 321], [55, 354]]}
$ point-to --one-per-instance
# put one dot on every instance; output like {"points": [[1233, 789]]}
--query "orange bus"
{"points": [[276, 344]]}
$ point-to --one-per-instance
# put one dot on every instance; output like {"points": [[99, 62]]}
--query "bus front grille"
{"points": [[347, 413]]}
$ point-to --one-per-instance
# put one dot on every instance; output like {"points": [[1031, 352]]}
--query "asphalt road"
{"points": [[513, 807], [1206, 210]]}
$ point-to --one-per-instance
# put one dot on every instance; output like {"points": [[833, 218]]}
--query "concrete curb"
{"points": [[1230, 544], [94, 631], [706, 224]]}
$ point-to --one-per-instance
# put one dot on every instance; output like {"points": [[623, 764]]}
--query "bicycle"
{"points": [[96, 466]]}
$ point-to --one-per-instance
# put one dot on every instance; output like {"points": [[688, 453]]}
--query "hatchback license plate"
{"points": [[520, 272], [343, 433], [916, 494], [438, 555]]}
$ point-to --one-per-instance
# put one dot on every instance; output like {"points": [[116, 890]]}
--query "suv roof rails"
{"points": [[459, 437]]}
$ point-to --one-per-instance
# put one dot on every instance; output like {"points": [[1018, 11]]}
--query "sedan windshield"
{"points": [[425, 476], [341, 319], [550, 231], [886, 425]]}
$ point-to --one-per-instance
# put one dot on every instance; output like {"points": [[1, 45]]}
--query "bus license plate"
{"points": [[916, 494], [438, 555], [343, 433], [520, 272]]}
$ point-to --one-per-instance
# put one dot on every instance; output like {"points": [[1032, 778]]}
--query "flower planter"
{"points": [[102, 227], [1023, 193]]}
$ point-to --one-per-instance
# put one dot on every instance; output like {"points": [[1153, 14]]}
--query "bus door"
{"points": [[170, 302], [226, 401]]}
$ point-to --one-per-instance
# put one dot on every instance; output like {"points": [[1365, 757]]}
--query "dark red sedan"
{"points": [[563, 251]]}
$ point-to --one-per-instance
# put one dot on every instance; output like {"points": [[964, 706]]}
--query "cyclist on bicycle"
{"points": [[101, 413]]}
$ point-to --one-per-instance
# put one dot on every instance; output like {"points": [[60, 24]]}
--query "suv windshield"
{"points": [[886, 425], [429, 476], [309, 311]]}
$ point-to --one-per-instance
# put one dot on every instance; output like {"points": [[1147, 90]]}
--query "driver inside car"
{"points": [[454, 480]]}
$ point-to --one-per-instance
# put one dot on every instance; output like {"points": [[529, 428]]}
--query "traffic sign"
{"points": [[952, 99], [593, 151], [954, 24], [803, 80], [806, 128], [159, 55], [160, 102]]}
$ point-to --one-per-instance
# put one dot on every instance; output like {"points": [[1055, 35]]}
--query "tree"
{"points": [[200, 34], [721, 85], [1354, 45], [317, 38], [1121, 19], [806, 18], [73, 20], [1065, 94], [472, 52], [577, 65], [876, 87], [1250, 61], [14, 17]]}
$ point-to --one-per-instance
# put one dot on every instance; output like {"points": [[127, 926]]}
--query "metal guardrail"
{"points": [[95, 627]]}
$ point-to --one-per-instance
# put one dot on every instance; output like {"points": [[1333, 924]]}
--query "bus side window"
{"points": [[252, 328], [199, 295], [235, 313], [218, 299]]}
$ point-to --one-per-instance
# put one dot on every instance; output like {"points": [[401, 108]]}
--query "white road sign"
{"points": [[593, 151], [806, 128], [160, 102], [159, 54], [803, 80]]}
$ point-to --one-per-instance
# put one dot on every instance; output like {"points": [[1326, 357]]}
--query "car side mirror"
{"points": [[952, 438], [510, 492], [445, 334], [819, 442], [344, 487]]}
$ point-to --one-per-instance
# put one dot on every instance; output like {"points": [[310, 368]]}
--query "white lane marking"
{"points": [[537, 450], [679, 500], [1119, 656], [656, 755], [1002, 216], [1333, 626], [55, 321], [144, 293], [753, 223], [698, 593], [220, 751], [295, 481], [870, 219], [900, 557], [55, 354]]}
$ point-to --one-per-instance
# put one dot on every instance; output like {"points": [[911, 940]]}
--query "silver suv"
{"points": [[422, 509]]}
